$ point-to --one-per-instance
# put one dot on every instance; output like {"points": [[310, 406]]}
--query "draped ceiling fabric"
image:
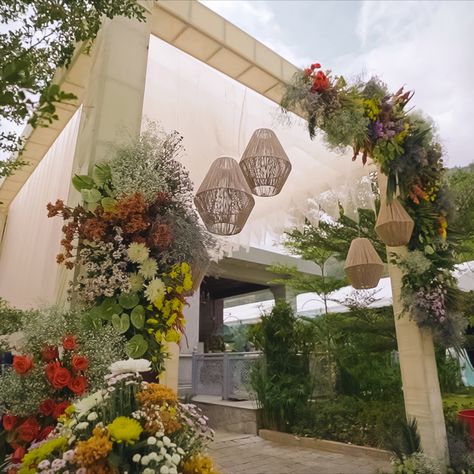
{"points": [[217, 116], [28, 269]]}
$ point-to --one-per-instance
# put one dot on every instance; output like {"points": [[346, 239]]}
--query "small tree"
{"points": [[282, 380], [41, 36]]}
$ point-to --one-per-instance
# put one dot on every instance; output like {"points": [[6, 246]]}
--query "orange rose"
{"points": [[61, 378], [78, 385], [29, 430], [69, 343], [60, 408], [49, 353], [9, 422], [22, 364], [79, 363]]}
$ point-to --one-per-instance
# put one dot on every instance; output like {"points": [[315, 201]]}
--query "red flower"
{"points": [[18, 454], [45, 432], [69, 343], [308, 71], [315, 66], [60, 408], [49, 353], [9, 422], [29, 430], [78, 385], [51, 369], [321, 82], [79, 363], [22, 364], [46, 407], [61, 378]]}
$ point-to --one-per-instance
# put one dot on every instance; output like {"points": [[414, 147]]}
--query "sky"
{"points": [[426, 46]]}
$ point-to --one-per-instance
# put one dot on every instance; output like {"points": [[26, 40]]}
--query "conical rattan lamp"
{"points": [[224, 200], [394, 225], [363, 265], [265, 164]]}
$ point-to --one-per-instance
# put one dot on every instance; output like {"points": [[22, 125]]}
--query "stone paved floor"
{"points": [[247, 454]]}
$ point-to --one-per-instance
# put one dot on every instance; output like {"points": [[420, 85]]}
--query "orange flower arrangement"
{"points": [[95, 449]]}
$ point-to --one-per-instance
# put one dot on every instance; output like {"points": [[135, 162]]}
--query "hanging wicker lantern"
{"points": [[265, 164], [224, 200], [363, 265], [394, 225]]}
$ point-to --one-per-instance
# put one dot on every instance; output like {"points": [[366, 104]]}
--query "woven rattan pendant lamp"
{"points": [[363, 265], [394, 225], [265, 164], [224, 200]]}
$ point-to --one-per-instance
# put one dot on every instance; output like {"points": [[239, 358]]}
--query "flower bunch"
{"points": [[132, 426], [60, 360], [377, 125], [134, 240]]}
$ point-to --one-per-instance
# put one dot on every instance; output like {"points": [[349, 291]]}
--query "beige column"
{"points": [[419, 373], [170, 376]]}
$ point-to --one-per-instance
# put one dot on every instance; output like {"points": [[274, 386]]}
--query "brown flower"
{"points": [[161, 236]]}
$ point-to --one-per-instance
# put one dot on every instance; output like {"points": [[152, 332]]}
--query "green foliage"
{"points": [[40, 37], [352, 420], [461, 186], [282, 380], [407, 441], [11, 318], [417, 463]]}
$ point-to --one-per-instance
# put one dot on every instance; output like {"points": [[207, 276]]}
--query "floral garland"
{"points": [[132, 426], [377, 124], [134, 240]]}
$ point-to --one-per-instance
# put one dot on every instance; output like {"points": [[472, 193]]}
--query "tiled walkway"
{"points": [[247, 454]]}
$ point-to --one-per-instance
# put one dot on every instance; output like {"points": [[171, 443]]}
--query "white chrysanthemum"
{"points": [[136, 282], [148, 268], [86, 404], [130, 366], [138, 252], [155, 290]]}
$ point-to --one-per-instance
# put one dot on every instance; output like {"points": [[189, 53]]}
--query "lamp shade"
{"points": [[224, 200], [363, 265], [265, 164], [394, 225]]}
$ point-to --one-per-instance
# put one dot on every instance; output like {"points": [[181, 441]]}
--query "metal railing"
{"points": [[225, 374]]}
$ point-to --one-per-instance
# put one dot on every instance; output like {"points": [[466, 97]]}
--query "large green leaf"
{"points": [[82, 181], [128, 300], [138, 316], [136, 347], [91, 195], [109, 307], [108, 204], [101, 174], [121, 323], [91, 321]]}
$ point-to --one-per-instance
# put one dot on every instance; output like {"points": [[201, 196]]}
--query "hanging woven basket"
{"points": [[394, 226], [363, 265], [224, 200], [265, 164]]}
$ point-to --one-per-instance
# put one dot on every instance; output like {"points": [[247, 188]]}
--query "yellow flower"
{"points": [[173, 336], [35, 456], [187, 282], [172, 319], [158, 336], [152, 321], [185, 268], [179, 289], [94, 449], [125, 430], [199, 464]]}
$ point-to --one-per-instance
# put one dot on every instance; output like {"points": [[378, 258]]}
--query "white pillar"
{"points": [[421, 391], [112, 104]]}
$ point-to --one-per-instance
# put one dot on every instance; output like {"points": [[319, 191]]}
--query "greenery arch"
{"points": [[377, 124]]}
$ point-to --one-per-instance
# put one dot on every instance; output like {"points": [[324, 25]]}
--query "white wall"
{"points": [[28, 268]]}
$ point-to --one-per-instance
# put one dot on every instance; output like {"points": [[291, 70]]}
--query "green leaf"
{"points": [[82, 181], [429, 250], [121, 323], [91, 321], [108, 204], [138, 316], [91, 206], [101, 174], [128, 300], [109, 307], [136, 346], [91, 195]]}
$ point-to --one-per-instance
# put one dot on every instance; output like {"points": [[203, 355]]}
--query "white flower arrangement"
{"points": [[130, 366], [155, 290]]}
